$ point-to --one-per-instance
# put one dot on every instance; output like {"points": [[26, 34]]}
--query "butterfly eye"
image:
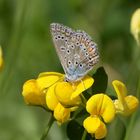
{"points": [[62, 37]]}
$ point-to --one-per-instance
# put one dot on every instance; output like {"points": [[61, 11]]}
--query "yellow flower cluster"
{"points": [[101, 107], [51, 91]]}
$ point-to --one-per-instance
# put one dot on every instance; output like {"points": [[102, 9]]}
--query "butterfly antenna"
{"points": [[44, 90], [84, 101]]}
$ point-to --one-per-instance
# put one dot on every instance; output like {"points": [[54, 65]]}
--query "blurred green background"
{"points": [[28, 50]]}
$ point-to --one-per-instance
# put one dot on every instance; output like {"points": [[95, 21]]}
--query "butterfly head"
{"points": [[73, 78]]}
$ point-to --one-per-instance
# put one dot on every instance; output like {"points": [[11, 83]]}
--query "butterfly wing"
{"points": [[61, 39], [88, 53], [76, 50]]}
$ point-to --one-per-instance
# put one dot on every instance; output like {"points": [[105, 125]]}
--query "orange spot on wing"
{"points": [[90, 49]]}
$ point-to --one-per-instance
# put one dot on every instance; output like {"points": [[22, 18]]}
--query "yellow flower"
{"points": [[68, 93], [34, 90], [125, 105], [99, 106], [1, 58], [135, 25]]}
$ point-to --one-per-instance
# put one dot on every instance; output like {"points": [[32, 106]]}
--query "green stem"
{"points": [[84, 100], [130, 126], [133, 118], [84, 135], [50, 122], [138, 88]]}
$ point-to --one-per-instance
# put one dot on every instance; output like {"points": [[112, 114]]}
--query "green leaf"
{"points": [[100, 81], [79, 115], [87, 94], [75, 131]]}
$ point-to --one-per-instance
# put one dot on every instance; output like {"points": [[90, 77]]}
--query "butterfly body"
{"points": [[76, 50]]}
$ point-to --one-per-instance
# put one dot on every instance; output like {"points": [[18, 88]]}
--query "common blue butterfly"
{"points": [[76, 50]]}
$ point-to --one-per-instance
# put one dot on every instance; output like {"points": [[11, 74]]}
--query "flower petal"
{"points": [[32, 93], [50, 74], [91, 124], [108, 109], [101, 105], [61, 114], [82, 85], [131, 104], [47, 79], [101, 131], [121, 91], [51, 99], [64, 91]]}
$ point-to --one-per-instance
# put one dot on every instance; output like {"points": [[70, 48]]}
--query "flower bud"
{"points": [[135, 25], [61, 114]]}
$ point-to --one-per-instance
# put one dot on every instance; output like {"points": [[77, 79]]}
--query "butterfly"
{"points": [[77, 52]]}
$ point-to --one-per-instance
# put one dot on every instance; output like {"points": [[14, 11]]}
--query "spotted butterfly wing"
{"points": [[76, 50]]}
